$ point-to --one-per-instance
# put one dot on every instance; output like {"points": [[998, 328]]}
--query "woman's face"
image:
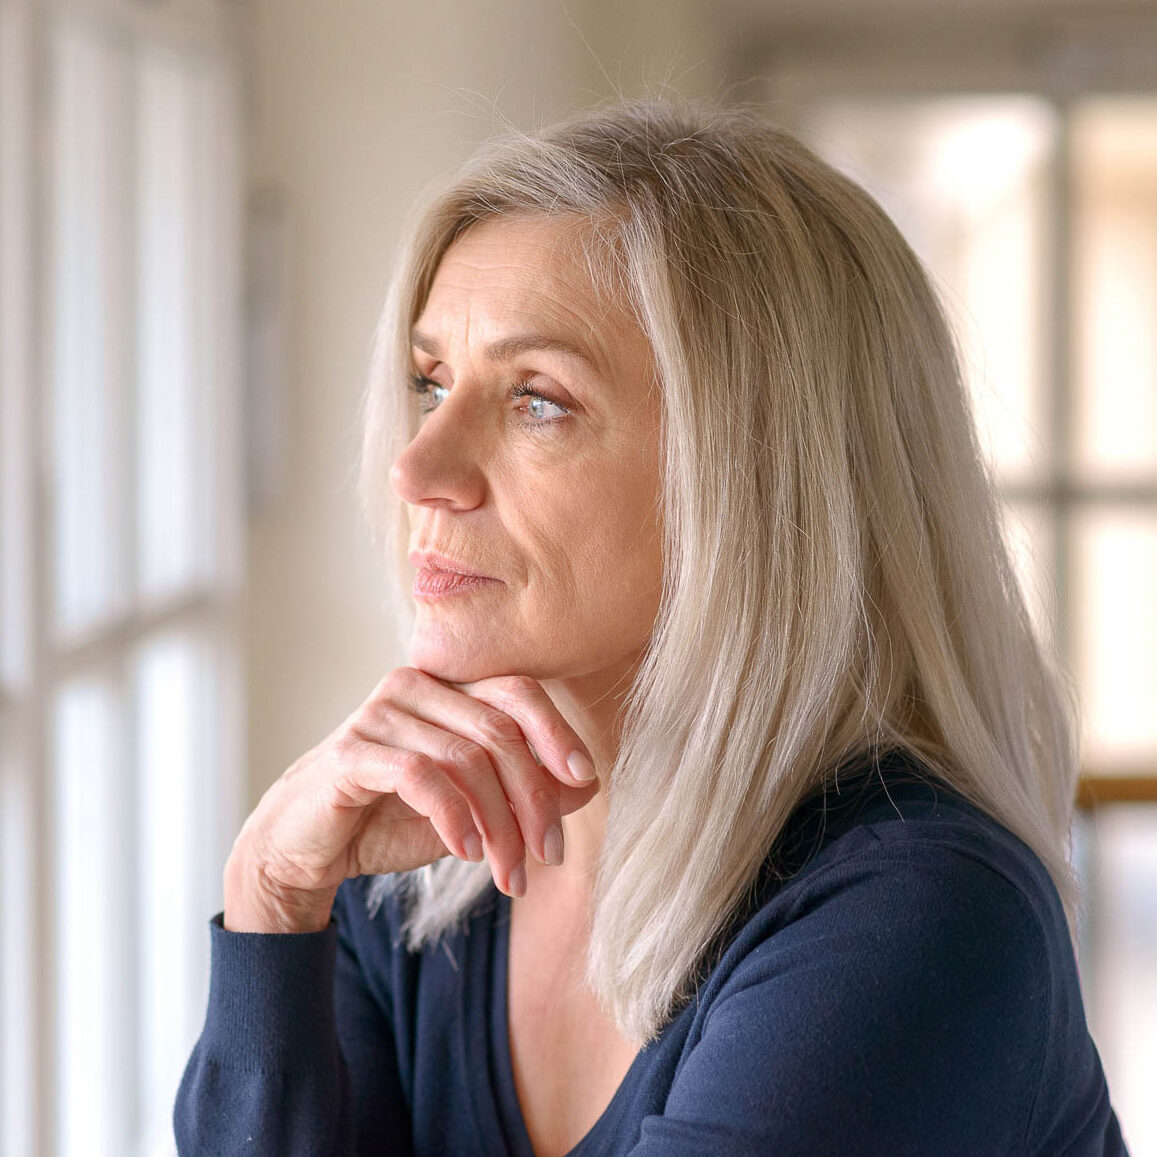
{"points": [[536, 464]]}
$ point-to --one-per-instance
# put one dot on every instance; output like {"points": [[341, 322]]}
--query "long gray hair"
{"points": [[835, 580]]}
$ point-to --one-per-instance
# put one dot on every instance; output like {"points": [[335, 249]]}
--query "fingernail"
{"points": [[518, 879], [580, 767], [552, 845], [473, 847]]}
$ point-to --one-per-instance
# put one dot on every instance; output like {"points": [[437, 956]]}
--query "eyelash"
{"points": [[421, 386]]}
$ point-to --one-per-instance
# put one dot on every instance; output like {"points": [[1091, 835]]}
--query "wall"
{"points": [[355, 106]]}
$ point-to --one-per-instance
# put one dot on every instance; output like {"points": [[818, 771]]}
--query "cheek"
{"points": [[589, 531], [615, 538], [630, 500]]}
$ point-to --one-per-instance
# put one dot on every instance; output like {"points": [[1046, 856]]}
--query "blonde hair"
{"points": [[836, 583]]}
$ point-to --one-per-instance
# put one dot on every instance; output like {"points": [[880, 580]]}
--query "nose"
{"points": [[441, 465]]}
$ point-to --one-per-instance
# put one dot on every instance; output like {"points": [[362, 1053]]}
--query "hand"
{"points": [[423, 769]]}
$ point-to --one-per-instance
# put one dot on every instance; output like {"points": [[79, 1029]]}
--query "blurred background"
{"points": [[199, 203]]}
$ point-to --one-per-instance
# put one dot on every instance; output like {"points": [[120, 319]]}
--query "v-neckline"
{"points": [[507, 1104]]}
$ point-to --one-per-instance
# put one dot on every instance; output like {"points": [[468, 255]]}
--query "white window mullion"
{"points": [[120, 734], [220, 245], [188, 449], [177, 729], [93, 839], [16, 264], [91, 315], [19, 1051], [24, 999], [167, 361]]}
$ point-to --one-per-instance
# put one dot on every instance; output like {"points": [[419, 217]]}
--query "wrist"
{"points": [[256, 902]]}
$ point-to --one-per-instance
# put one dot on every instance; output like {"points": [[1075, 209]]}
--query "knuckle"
{"points": [[385, 687], [343, 748], [496, 727], [452, 813], [541, 799], [499, 827], [384, 712], [344, 791], [376, 719], [365, 717], [555, 734], [465, 753], [517, 686], [414, 767], [397, 681]]}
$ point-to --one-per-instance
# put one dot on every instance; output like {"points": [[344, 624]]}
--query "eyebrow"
{"points": [[508, 348]]}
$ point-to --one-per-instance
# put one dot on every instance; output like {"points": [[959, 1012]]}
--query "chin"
{"points": [[463, 661], [449, 668], [458, 660]]}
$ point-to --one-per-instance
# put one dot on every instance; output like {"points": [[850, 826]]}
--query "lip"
{"points": [[432, 560], [433, 585]]}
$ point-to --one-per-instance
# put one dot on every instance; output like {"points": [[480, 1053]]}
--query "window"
{"points": [[120, 529], [1038, 220]]}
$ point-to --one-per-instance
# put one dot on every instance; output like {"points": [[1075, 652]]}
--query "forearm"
{"points": [[267, 1075]]}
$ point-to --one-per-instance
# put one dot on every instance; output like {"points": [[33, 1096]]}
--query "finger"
{"points": [[490, 791], [532, 793], [396, 839], [374, 770], [477, 737], [545, 729], [555, 742]]}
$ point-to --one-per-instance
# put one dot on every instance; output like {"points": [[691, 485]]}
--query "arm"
{"points": [[267, 1075], [902, 1008], [421, 770], [365, 1027], [296, 1057]]}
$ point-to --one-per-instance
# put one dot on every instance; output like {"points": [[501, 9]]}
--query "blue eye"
{"points": [[536, 403], [543, 411], [427, 391]]}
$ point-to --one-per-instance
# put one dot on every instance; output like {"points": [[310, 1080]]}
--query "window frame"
{"points": [[34, 661], [1062, 61]]}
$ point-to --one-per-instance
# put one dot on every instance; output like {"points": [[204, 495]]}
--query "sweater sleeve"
{"points": [[271, 1073], [904, 1007], [369, 1043]]}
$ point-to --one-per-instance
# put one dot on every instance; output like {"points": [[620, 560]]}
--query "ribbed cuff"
{"points": [[271, 997]]}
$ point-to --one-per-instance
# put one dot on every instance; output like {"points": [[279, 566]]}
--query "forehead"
{"points": [[549, 274]]}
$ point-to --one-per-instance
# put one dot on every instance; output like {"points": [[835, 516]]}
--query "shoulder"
{"points": [[895, 824], [899, 863], [916, 888], [909, 950]]}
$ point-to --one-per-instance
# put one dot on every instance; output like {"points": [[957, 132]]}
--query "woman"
{"points": [[723, 805]]}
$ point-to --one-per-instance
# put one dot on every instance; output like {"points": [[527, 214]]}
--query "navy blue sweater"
{"points": [[902, 983]]}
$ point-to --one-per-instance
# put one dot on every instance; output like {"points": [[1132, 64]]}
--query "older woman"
{"points": [[723, 805]]}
